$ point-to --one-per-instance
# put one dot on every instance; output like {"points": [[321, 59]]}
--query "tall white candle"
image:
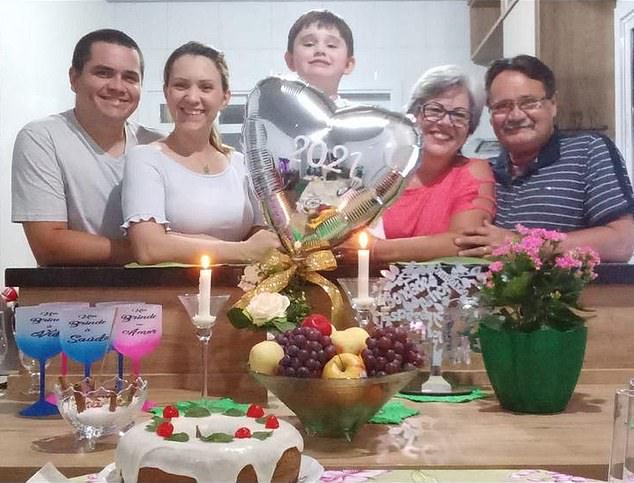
{"points": [[363, 273], [204, 289]]}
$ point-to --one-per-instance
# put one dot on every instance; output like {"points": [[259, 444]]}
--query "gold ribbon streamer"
{"points": [[282, 268]]}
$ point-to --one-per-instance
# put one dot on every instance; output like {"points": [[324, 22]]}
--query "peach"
{"points": [[351, 340], [265, 356]]}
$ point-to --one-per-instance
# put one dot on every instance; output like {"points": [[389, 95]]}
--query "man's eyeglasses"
{"points": [[526, 104], [434, 111]]}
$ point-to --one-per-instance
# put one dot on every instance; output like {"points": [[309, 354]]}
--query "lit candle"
{"points": [[363, 274], [204, 289]]}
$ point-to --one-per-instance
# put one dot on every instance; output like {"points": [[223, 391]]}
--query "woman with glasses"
{"points": [[449, 192]]}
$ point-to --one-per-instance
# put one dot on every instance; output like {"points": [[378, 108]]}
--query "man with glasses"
{"points": [[575, 184]]}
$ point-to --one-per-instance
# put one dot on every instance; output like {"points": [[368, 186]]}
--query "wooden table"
{"points": [[475, 435]]}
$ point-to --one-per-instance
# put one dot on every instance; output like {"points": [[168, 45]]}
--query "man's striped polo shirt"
{"points": [[577, 181]]}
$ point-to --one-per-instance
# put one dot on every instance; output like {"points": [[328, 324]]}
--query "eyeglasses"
{"points": [[434, 111], [525, 104]]}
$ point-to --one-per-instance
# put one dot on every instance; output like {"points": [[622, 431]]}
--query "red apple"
{"points": [[344, 366], [319, 322]]}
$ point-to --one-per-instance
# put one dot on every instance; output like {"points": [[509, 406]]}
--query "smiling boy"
{"points": [[320, 50]]}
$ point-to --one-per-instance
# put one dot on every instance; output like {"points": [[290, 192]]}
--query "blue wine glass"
{"points": [[37, 335], [85, 334]]}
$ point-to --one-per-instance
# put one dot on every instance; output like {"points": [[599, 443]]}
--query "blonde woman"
{"points": [[188, 194]]}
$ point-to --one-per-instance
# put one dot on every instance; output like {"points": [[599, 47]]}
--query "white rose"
{"points": [[266, 306]]}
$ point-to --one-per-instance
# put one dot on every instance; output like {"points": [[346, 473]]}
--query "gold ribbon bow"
{"points": [[282, 268]]}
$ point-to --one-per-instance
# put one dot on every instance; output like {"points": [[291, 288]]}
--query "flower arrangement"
{"points": [[269, 310], [532, 284]]}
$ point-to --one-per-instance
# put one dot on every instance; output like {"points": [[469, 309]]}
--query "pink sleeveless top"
{"points": [[427, 210]]}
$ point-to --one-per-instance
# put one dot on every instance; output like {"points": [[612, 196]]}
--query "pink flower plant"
{"points": [[531, 283]]}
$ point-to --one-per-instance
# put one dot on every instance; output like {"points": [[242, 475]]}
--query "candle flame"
{"points": [[363, 240], [204, 261]]}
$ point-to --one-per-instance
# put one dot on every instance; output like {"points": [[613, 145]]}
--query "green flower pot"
{"points": [[533, 372]]}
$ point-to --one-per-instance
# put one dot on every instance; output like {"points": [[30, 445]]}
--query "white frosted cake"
{"points": [[212, 448]]}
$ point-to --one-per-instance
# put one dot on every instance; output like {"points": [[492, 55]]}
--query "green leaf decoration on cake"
{"points": [[214, 406], [233, 412], [153, 424], [217, 438], [178, 437], [197, 412], [261, 435], [261, 420]]}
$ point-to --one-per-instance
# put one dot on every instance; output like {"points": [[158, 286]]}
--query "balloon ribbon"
{"points": [[282, 269]]}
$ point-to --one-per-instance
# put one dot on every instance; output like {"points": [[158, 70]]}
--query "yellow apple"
{"points": [[351, 340], [344, 366], [265, 356]]}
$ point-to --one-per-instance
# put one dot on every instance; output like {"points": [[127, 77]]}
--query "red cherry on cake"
{"points": [[271, 423], [170, 412], [242, 433], [165, 429], [319, 322], [255, 411]]}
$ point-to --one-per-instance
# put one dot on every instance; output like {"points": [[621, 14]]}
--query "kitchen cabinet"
{"points": [[574, 37]]}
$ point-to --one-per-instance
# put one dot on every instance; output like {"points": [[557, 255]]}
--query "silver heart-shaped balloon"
{"points": [[323, 172]]}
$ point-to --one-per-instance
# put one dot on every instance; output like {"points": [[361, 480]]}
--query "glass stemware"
{"points": [[85, 334], [4, 345], [4, 348], [203, 326], [41, 344], [364, 309], [32, 367]]}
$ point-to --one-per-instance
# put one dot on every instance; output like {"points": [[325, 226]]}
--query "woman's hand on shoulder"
{"points": [[481, 241]]}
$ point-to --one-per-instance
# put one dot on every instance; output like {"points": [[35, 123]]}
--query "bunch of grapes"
{"points": [[306, 351], [389, 351]]}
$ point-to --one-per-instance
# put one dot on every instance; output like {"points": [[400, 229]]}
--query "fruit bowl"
{"points": [[335, 407], [99, 411]]}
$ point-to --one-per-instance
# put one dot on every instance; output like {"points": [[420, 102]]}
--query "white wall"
{"points": [[519, 30], [36, 44], [395, 41]]}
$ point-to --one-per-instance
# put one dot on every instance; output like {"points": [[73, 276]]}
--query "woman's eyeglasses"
{"points": [[433, 111], [525, 104]]}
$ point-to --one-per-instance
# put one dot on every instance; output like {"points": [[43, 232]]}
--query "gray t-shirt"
{"points": [[157, 187], [59, 173]]}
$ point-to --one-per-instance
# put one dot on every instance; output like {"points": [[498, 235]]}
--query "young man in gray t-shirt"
{"points": [[67, 168]]}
